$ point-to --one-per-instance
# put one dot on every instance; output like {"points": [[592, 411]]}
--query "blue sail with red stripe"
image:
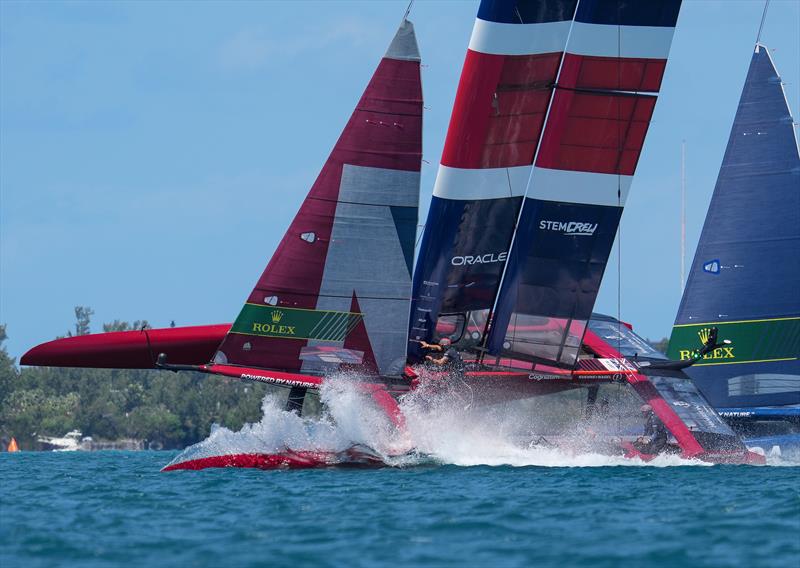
{"points": [[745, 278], [504, 92], [594, 133]]}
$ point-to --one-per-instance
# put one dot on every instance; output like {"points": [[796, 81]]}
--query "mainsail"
{"points": [[745, 278], [337, 290], [596, 127], [506, 84]]}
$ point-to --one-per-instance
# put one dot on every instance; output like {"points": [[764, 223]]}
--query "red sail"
{"points": [[352, 238]]}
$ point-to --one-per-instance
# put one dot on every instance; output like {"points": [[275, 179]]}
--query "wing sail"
{"points": [[339, 283], [502, 99], [595, 130], [746, 271]]}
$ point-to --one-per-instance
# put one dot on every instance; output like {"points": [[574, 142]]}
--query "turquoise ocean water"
{"points": [[116, 509]]}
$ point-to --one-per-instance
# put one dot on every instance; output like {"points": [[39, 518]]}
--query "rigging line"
{"points": [[683, 216], [619, 190], [421, 233], [149, 345], [763, 17], [408, 10]]}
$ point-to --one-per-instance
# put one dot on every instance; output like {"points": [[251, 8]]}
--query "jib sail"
{"points": [[745, 276], [596, 126], [337, 290], [506, 84]]}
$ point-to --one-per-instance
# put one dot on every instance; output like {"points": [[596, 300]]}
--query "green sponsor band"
{"points": [[294, 323], [754, 341]]}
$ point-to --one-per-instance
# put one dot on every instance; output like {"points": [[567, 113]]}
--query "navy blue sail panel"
{"points": [[553, 276], [525, 11], [506, 84], [745, 277], [464, 249], [596, 127], [629, 13]]}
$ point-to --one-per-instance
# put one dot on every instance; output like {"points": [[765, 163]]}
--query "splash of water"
{"points": [[442, 426]]}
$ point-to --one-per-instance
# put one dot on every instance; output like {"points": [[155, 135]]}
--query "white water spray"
{"points": [[442, 426]]}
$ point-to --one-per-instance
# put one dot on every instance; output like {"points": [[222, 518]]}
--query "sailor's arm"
{"points": [[435, 361]]}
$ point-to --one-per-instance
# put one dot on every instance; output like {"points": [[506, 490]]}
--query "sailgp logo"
{"points": [[570, 228], [487, 258]]}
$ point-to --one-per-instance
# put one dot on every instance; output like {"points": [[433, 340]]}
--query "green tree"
{"points": [[83, 320], [8, 370], [174, 409], [118, 325], [659, 345]]}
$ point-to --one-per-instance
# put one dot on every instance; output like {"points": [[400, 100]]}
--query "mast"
{"points": [[683, 215], [761, 25]]}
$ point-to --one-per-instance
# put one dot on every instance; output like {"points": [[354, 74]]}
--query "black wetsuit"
{"points": [[454, 359], [657, 433]]}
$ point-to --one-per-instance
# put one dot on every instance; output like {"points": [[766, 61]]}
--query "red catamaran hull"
{"points": [[351, 458]]}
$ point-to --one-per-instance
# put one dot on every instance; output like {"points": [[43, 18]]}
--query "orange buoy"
{"points": [[12, 445]]}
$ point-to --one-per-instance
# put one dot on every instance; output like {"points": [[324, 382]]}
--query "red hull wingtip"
{"points": [[193, 345]]}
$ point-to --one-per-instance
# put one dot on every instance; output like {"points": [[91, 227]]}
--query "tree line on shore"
{"points": [[170, 410]]}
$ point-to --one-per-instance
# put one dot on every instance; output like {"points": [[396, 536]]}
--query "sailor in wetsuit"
{"points": [[443, 354], [655, 434]]}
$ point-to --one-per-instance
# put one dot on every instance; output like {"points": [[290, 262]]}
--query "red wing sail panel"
{"points": [[351, 243], [595, 130]]}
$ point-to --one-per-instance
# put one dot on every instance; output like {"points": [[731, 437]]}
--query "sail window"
{"points": [[622, 338], [451, 326], [762, 383], [308, 237]]}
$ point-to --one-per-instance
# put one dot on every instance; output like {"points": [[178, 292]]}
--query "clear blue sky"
{"points": [[153, 153]]}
